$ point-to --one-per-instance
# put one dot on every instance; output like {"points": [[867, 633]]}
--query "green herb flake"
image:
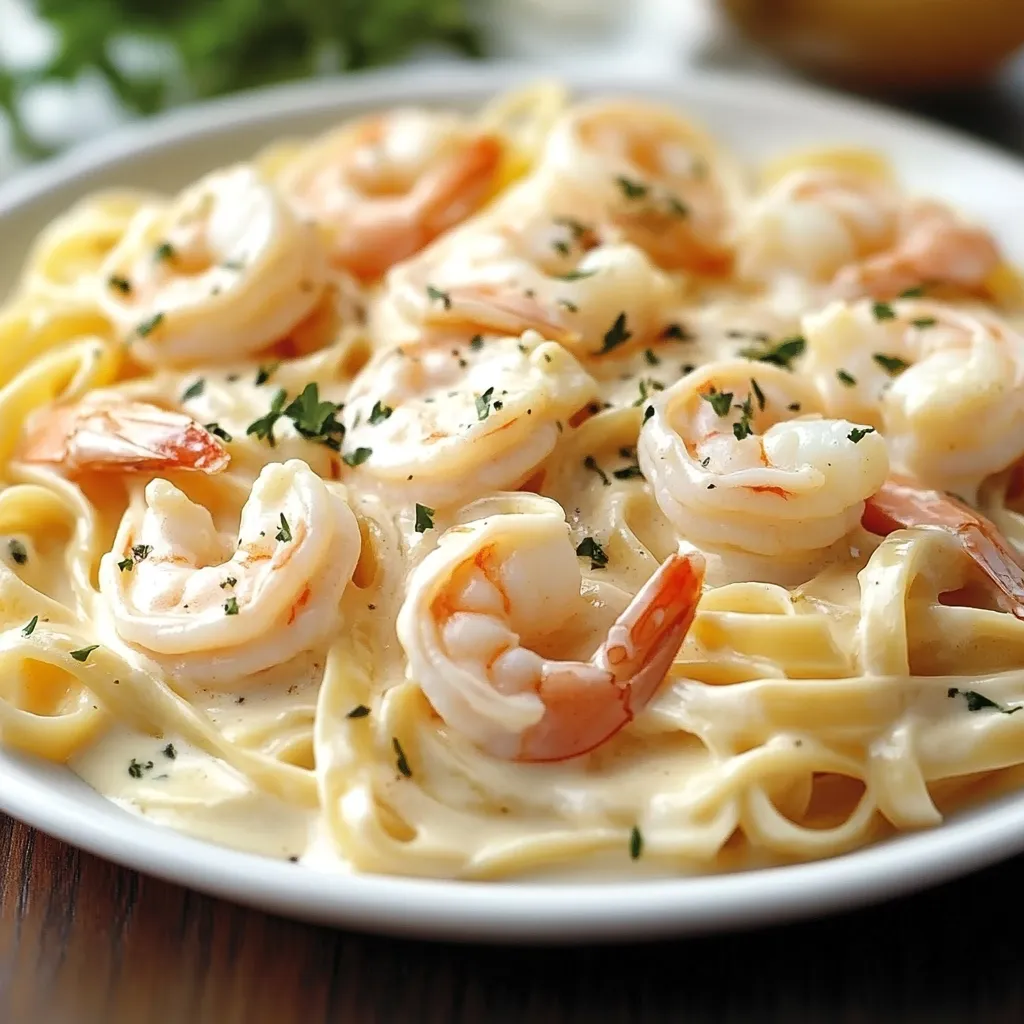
{"points": [[147, 327], [164, 252], [742, 427], [892, 365], [780, 354], [135, 769], [436, 295], [845, 378], [857, 433], [616, 335], [630, 188], [263, 428], [119, 284], [483, 404], [284, 534], [194, 390], [424, 518], [140, 552], [315, 420], [758, 394], [648, 413], [883, 311], [793, 407], [356, 457], [218, 431], [912, 293], [589, 548], [636, 843], [83, 652], [29, 629], [401, 763], [169, 751], [359, 711], [17, 551], [650, 358], [923, 322], [476, 342], [676, 207], [591, 463], [562, 248], [379, 413], [229, 582], [628, 472], [979, 702], [231, 605], [126, 565], [720, 401], [575, 275], [676, 332], [265, 372]]}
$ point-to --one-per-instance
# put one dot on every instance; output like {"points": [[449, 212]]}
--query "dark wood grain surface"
{"points": [[85, 942]]}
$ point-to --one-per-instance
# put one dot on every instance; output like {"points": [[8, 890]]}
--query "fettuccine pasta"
{"points": [[539, 491]]}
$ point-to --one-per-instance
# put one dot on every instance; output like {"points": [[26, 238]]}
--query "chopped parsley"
{"points": [[912, 293], [169, 751], [591, 463], [676, 332], [147, 327], [857, 433], [846, 378], [140, 552], [436, 294], [83, 652], [589, 548], [164, 251], [359, 711], [631, 189], [483, 404], [780, 354], [562, 248], [229, 582], [29, 629], [315, 420], [120, 284], [628, 472], [883, 311], [616, 335], [218, 431], [758, 394], [424, 518], [648, 413], [720, 401], [646, 386], [979, 702], [136, 768], [476, 342], [379, 413], [194, 390], [284, 534], [231, 605], [357, 457], [922, 322], [892, 365], [793, 407], [17, 551], [263, 428], [575, 275], [576, 228], [126, 565], [677, 207], [651, 358], [636, 843], [400, 760], [265, 372], [742, 427]]}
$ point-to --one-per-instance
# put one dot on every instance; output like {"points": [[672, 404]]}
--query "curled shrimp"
{"points": [[386, 185], [212, 609], [852, 231], [902, 503], [108, 433], [444, 421], [218, 274], [740, 461], [659, 179], [495, 591], [944, 385], [539, 261]]}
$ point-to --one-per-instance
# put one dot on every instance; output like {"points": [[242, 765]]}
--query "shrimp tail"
{"points": [[900, 504], [123, 437]]}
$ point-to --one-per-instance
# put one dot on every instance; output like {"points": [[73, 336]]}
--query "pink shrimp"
{"points": [[901, 504], [495, 583], [108, 434], [387, 185]]}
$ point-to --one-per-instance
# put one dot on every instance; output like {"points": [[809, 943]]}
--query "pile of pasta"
{"points": [[531, 490]]}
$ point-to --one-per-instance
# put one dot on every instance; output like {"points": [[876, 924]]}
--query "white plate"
{"points": [[757, 118]]}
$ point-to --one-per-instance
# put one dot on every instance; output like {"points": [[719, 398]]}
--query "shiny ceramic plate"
{"points": [[757, 119]]}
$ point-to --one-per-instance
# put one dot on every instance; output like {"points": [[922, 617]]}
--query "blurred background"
{"points": [[71, 69]]}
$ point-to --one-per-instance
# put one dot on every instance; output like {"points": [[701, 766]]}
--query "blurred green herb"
{"points": [[225, 45]]}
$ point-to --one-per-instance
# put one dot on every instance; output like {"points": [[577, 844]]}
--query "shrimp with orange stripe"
{"points": [[482, 606]]}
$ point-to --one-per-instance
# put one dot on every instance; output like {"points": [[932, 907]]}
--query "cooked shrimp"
{"points": [[211, 609], [217, 275], [493, 591], [538, 261], [444, 421], [902, 503], [108, 433], [658, 178], [854, 232], [388, 184], [740, 461], [945, 386]]}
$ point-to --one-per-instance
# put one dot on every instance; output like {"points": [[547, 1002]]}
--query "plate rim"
{"points": [[492, 911]]}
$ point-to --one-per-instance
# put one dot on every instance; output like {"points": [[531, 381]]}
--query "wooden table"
{"points": [[84, 942]]}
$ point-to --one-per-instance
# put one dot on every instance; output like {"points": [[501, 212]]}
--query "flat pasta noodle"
{"points": [[481, 496]]}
